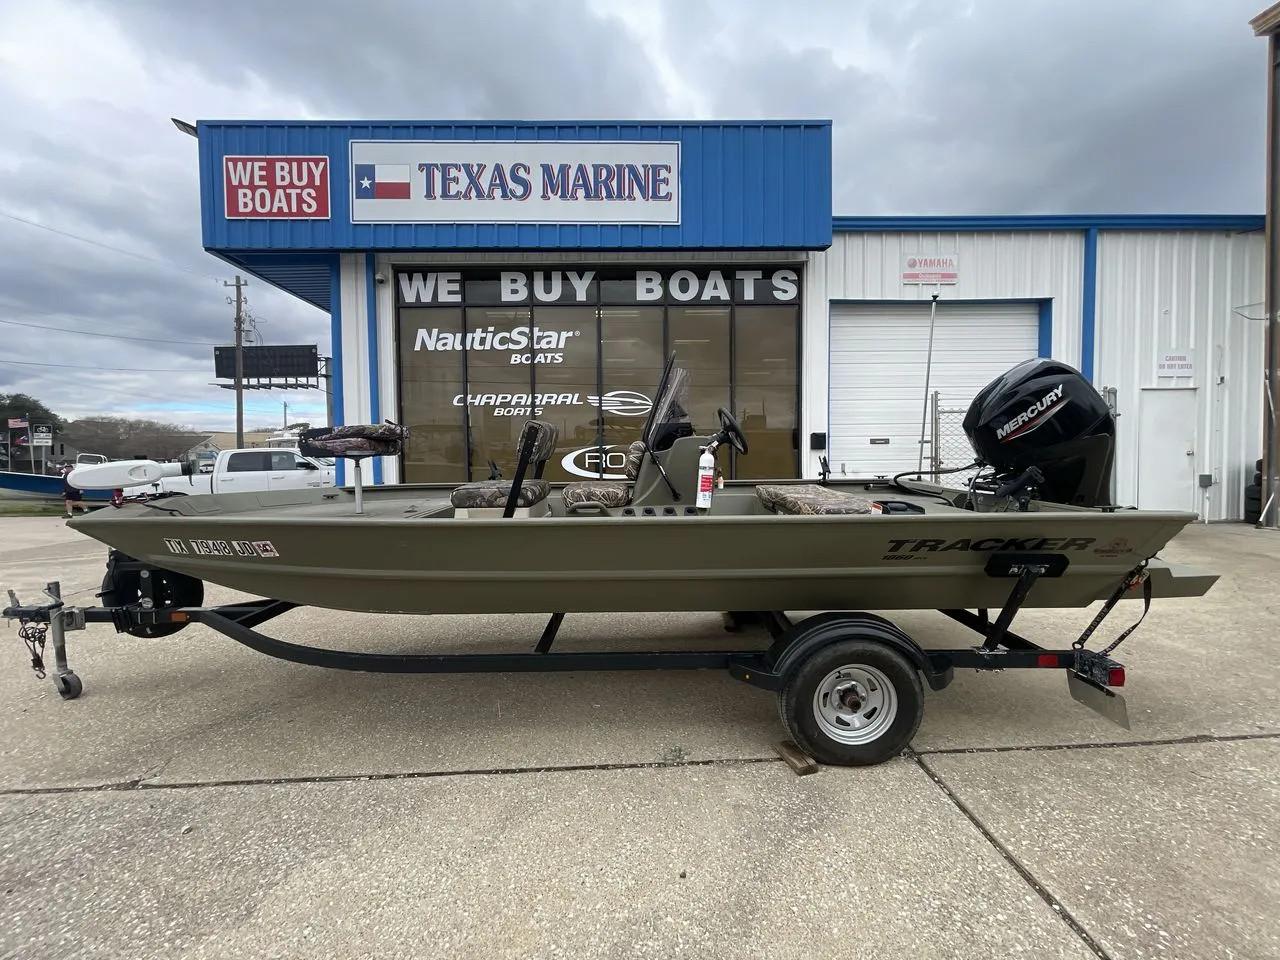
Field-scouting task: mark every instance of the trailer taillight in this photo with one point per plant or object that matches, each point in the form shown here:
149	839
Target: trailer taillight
1047	660
1115	676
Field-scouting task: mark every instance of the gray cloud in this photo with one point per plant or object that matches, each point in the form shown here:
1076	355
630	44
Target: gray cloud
987	107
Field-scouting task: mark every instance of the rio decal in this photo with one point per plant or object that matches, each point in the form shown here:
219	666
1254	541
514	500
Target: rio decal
222	548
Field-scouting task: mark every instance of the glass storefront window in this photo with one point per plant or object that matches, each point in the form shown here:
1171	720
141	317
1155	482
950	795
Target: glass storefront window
631	364
431	380
766	391
565	379
481	351
699	337
499	386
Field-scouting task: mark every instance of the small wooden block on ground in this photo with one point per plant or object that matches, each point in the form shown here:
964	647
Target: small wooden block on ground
799	761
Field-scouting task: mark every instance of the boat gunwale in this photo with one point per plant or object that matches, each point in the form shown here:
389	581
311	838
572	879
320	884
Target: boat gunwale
896	520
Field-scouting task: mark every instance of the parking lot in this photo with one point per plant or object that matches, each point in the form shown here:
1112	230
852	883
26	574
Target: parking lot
201	800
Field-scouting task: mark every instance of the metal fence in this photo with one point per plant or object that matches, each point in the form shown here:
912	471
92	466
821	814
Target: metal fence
948	445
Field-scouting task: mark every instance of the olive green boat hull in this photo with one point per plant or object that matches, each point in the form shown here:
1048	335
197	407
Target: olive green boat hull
408	554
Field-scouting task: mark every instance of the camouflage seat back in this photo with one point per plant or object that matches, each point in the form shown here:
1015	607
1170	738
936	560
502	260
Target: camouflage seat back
544	436
635	456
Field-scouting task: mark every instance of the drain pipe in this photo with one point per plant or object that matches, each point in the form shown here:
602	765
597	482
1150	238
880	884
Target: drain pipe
928	370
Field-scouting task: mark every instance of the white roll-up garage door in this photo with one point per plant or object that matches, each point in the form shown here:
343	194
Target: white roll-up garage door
878	354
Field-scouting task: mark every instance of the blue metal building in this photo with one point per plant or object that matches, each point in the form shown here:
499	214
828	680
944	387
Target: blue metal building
476	273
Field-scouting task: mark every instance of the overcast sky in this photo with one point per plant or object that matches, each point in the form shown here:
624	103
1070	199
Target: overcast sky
989	106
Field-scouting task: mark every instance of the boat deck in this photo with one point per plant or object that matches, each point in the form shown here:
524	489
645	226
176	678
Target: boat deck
411	502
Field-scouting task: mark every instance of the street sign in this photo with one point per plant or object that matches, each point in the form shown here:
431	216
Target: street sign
42	435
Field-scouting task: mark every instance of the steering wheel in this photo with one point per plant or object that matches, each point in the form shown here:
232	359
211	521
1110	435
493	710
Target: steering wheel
732	431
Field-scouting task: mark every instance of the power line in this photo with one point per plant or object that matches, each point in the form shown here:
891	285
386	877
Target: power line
112	336
81	366
106	246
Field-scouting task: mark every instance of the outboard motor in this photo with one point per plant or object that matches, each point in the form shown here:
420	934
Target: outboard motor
1044	414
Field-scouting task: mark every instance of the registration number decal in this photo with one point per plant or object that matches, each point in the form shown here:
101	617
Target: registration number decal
222	548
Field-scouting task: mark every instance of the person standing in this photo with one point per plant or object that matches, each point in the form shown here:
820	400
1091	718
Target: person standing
71	496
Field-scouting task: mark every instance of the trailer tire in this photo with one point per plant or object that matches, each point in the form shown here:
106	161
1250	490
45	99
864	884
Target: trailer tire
852	703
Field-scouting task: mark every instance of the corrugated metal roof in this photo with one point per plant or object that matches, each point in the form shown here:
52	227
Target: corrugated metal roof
1054	221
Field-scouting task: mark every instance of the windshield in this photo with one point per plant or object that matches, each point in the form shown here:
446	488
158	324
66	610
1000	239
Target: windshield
670	403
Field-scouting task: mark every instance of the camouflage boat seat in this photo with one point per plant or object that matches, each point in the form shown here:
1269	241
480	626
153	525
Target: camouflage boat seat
494	493
354	441
606	493
536	445
809	499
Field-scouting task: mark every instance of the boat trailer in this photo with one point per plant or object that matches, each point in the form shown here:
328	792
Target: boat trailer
798	649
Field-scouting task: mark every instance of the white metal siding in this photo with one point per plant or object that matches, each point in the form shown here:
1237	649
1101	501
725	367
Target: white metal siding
1162	291
878	359
994	265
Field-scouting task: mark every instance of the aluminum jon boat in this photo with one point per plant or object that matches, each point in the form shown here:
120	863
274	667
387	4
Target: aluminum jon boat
1032	528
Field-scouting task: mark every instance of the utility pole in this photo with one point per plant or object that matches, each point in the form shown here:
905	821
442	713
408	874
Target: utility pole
239	284
284	415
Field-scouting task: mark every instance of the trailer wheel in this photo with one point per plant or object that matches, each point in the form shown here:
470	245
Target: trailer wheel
68	685
169	589
853	703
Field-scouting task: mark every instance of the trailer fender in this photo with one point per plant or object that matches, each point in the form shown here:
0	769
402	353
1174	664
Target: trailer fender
804	638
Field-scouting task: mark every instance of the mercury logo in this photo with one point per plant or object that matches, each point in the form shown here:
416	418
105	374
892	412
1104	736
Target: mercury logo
625	403
1033	417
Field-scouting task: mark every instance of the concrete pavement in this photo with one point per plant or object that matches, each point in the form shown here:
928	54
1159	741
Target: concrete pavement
202	800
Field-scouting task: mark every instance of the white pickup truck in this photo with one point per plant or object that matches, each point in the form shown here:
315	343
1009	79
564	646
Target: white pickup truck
255	469
234	471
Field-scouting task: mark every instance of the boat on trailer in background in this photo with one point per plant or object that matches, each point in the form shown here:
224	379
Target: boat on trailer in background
1031	529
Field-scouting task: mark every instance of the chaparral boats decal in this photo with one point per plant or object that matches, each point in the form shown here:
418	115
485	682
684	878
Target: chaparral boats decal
223	548
1033	417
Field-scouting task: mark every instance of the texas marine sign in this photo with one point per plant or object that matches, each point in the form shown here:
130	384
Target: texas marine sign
271	186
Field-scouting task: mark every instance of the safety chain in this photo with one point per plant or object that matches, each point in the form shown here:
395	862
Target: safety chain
33	636
1138	575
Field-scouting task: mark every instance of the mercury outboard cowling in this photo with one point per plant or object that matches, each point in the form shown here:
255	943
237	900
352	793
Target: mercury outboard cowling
1045	414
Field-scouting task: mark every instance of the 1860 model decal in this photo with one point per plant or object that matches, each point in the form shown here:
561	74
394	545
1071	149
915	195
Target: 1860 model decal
222	548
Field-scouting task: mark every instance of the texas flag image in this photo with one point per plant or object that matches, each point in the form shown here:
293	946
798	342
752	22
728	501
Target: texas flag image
382	181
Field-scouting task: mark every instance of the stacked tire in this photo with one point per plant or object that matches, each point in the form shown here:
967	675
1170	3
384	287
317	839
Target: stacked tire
1253	496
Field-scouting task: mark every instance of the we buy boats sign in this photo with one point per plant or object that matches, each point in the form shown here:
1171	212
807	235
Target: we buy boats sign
276	188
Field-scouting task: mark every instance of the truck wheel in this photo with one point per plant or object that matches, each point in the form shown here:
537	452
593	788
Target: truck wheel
853	703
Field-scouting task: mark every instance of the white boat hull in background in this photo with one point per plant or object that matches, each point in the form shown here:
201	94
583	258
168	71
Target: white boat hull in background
122	474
